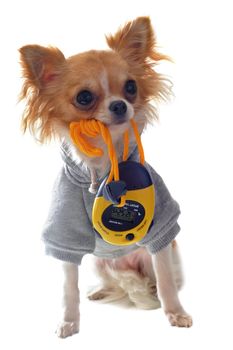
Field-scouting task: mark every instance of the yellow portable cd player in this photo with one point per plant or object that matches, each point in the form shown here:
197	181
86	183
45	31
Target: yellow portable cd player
127	224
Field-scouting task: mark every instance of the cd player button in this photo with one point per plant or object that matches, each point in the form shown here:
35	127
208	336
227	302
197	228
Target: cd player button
129	236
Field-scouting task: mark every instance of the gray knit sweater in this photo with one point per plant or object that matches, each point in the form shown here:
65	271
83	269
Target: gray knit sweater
68	233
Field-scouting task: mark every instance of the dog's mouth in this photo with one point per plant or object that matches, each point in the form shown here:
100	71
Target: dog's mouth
121	121
119	128
117	122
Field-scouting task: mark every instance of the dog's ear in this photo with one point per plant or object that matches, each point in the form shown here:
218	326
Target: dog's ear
41	65
135	42
42	68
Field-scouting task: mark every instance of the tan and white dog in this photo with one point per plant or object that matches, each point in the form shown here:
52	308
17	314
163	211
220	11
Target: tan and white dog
112	86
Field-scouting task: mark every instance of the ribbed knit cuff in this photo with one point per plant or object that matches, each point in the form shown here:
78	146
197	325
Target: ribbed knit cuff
159	243
63	254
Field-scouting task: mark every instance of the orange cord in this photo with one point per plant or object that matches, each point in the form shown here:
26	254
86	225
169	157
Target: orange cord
139	142
92	128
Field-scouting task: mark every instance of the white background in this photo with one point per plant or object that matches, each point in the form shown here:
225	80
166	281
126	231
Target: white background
191	148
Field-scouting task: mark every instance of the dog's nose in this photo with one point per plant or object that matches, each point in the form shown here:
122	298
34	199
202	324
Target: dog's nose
119	108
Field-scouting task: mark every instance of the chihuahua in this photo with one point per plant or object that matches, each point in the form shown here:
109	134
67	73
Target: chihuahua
111	86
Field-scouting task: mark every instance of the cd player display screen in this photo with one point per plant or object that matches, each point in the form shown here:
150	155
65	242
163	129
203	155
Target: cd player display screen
122	214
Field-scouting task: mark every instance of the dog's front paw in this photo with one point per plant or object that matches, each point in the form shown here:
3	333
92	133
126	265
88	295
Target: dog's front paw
180	320
66	329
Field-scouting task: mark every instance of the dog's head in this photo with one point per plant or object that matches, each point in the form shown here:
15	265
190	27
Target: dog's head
112	86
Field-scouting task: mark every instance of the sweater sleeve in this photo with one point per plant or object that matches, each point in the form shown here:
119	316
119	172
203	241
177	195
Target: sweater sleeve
164	227
68	233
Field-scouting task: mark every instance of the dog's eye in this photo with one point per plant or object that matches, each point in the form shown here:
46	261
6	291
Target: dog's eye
131	88
84	99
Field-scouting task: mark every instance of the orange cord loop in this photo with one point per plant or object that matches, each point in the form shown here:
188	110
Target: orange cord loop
92	128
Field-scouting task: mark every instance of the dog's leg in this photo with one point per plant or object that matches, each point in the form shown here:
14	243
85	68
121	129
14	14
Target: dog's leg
130	277
70	302
167	289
